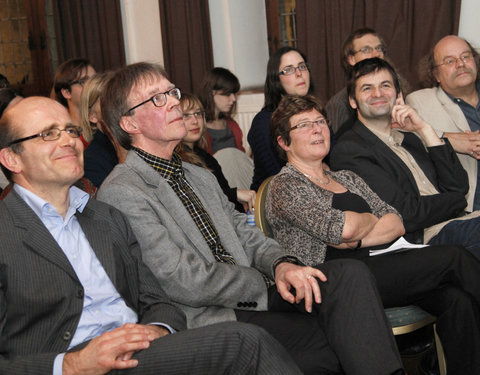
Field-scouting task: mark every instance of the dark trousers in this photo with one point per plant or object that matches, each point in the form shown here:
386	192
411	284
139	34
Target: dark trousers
224	348
462	232
445	281
347	332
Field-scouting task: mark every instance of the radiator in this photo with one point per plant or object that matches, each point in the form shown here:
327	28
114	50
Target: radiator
248	105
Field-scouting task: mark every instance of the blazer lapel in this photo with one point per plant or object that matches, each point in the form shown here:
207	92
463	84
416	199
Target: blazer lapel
172	204
453	110
37	236
99	236
384	152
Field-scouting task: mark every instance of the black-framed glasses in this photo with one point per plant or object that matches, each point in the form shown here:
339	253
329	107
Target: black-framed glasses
80	81
196	115
290	69
367	50
52	134
158	100
450	60
308	125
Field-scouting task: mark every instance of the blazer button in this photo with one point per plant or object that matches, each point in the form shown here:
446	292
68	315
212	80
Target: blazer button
240	304
254	304
67	335
80	293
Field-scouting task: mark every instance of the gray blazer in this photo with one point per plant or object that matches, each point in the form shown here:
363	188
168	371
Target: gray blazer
177	253
435	107
41	298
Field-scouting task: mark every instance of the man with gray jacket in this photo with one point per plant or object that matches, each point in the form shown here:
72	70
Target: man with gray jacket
215	266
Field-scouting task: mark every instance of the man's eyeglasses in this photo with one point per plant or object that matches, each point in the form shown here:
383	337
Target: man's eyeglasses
450	60
52	134
80	81
196	115
308	125
367	50
289	70
158	100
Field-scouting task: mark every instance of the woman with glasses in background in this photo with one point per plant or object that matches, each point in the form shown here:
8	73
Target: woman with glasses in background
192	150
287	73
68	83
218	97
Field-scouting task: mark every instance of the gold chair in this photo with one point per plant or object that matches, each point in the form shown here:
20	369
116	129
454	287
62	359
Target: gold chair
260	219
405	319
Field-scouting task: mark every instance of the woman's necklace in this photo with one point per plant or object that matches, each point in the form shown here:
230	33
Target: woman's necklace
313	177
317	179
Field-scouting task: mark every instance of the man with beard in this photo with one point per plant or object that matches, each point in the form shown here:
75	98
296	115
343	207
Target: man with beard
451	105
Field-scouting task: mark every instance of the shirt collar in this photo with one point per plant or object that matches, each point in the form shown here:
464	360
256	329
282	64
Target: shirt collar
78	200
168	169
395	138
457	100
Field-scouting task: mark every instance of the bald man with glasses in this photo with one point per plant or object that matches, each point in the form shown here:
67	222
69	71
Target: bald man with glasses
75	296
452	104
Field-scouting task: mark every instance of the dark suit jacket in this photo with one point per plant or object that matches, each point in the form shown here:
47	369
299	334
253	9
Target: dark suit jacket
41	298
364	153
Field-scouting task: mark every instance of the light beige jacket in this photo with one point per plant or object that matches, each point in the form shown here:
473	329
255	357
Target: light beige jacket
436	108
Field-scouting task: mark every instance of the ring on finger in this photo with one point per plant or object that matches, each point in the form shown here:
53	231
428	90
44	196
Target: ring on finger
309	277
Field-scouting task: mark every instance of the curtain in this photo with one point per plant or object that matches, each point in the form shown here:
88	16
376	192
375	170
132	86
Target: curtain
410	28
187	42
90	29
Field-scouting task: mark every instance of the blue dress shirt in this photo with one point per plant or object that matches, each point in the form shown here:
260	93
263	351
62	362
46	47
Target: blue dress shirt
472	114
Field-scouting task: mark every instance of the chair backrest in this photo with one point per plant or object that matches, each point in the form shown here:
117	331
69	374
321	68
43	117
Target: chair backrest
260	218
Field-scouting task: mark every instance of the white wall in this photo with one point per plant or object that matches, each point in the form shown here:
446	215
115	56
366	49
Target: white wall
141	31
469	16
239	38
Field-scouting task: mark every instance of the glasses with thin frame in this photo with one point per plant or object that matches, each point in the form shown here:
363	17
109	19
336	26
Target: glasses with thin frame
449	61
367	50
309	125
158	100
197	115
52	134
290	69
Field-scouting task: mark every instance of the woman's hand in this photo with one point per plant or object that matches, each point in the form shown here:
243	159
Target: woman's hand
248	197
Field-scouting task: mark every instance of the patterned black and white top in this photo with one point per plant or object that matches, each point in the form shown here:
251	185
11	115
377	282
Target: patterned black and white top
301	213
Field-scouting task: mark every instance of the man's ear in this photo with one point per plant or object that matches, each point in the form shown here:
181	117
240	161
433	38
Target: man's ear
282	143
10	160
351	60
67	94
435	74
353	102
129	125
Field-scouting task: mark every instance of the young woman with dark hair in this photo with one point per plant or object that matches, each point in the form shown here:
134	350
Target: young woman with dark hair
192	150
287	73
218	96
67	88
